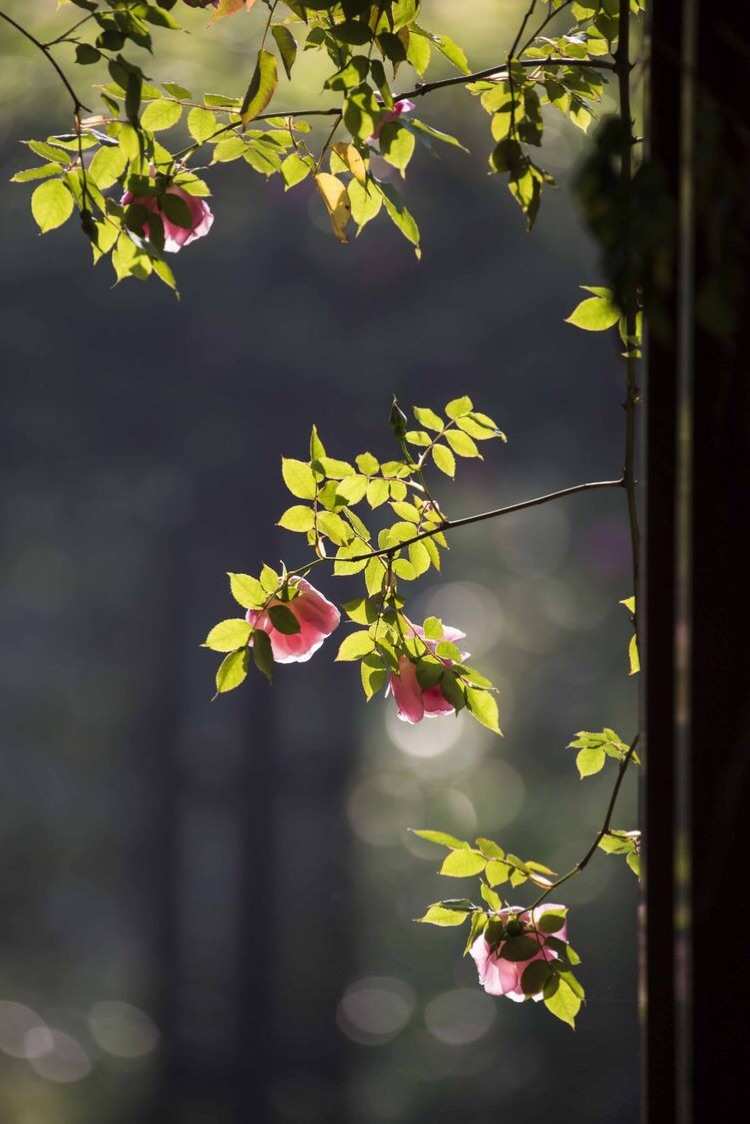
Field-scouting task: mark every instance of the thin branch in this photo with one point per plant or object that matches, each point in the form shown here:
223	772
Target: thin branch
495	513
522	28
329	138
65	36
583	863
499	72
77	103
547	19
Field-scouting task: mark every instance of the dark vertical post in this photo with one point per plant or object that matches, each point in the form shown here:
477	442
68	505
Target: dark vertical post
698	613
658	622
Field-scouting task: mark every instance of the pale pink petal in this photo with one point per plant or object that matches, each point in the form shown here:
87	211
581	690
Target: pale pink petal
317	619
407	692
497	976
312	606
452	634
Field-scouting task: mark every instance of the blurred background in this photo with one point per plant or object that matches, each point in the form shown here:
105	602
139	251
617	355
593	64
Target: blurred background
206	907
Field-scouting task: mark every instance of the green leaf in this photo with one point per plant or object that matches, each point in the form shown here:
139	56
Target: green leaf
86	54
333	468
262	87
51	205
352	488
490	849
590	761
355	646
402	568
231	672
441	838
494	901
633	656
561	1001
284	620
535	976
497	872
299	478
263	653
40	172
296	168
444	460
551	922
176	210
361	112
433	628
629	603
269	579
400	216
397	144
361	610
436	134
228	635
287	46
231	148
519	948
335	528
201	124
247	591
634	862
367	463
374	576
459	407
107	166
428	418
180	92
365	202
483	707
454	54
406	511
297	518
429	672
595	314
438	915
461	443
419	557
162	114
478	430
463	864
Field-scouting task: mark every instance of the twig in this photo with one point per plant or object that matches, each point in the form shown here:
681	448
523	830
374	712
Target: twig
500	72
454	524
582	863
77	103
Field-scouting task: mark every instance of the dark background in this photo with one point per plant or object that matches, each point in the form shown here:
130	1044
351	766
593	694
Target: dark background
206	906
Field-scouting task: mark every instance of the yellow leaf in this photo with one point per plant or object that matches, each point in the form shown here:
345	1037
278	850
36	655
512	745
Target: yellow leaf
334	195
352	160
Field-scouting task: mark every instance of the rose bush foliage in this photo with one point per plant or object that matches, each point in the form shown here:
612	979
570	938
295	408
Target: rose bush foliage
149	140
139	168
344	515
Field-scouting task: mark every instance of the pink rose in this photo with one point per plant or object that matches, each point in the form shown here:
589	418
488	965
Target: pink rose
499	976
413	702
317	619
403	105
175	237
